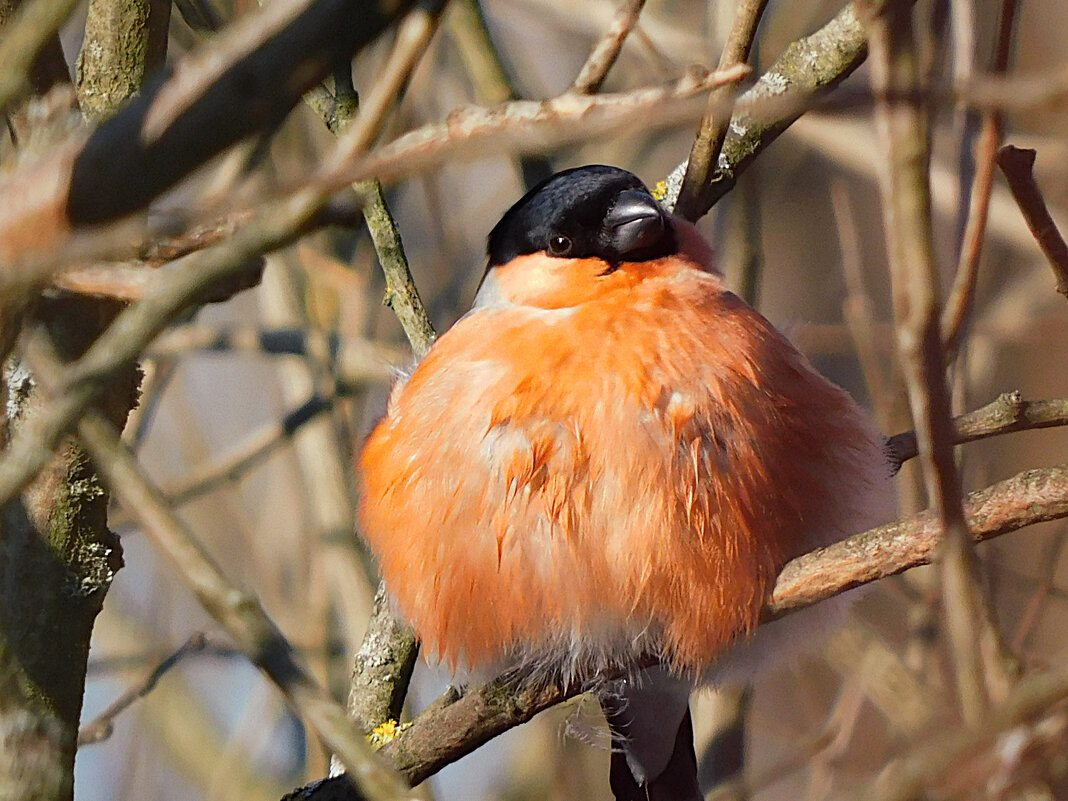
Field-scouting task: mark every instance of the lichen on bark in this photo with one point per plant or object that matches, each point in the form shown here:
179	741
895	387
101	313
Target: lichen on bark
57	561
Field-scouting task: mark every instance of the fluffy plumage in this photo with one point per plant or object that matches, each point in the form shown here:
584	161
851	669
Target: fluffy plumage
611	455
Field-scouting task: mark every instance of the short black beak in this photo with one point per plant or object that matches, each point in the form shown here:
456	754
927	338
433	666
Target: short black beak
635	223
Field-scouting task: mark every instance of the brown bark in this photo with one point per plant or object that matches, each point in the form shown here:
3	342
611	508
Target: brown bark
57	560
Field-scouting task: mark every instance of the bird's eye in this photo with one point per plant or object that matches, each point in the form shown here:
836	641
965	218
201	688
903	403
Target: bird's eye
559	245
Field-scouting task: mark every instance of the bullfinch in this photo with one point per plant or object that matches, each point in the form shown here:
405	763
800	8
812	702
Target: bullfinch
607	461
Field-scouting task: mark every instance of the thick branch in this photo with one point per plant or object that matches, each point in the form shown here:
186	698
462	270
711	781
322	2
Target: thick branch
1030	497
125	40
383	666
247	83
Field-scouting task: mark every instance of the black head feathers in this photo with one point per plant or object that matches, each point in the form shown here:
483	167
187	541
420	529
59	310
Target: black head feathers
594	211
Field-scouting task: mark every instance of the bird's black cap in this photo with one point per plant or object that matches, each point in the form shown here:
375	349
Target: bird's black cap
597	211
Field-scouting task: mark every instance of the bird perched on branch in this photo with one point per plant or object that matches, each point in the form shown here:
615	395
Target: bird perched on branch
606	461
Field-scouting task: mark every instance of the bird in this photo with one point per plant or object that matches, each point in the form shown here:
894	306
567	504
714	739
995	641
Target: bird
600	469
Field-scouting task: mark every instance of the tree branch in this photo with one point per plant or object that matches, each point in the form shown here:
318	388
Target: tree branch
33	26
961	296
804	72
903	130
236	610
102	726
526	125
1018	164
704	154
1005	414
121	344
606	51
455	727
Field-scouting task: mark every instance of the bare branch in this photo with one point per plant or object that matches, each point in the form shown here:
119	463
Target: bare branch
903	129
1030	497
354	361
275	225
124	42
250	452
961	296
383	666
606	51
236	610
401	293
217	97
413	38
704	154
101	727
1005	414
35	23
1018	164
806	70
527	125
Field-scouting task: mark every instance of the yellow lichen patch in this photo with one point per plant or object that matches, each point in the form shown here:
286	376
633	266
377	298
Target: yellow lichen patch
660	191
386	732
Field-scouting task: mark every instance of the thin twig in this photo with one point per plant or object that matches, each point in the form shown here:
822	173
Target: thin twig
276	225
101	727
250	452
1048	566
353	360
804	72
481	61
857	307
1007	413
704	154
402	296
236	610
1018	165
522	126
413	37
606	51
907	214
489	78
961	296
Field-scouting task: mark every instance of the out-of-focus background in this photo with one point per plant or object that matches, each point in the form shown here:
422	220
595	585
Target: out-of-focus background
801	235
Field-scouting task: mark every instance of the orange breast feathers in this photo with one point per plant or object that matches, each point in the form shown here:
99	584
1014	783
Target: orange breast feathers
586	483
